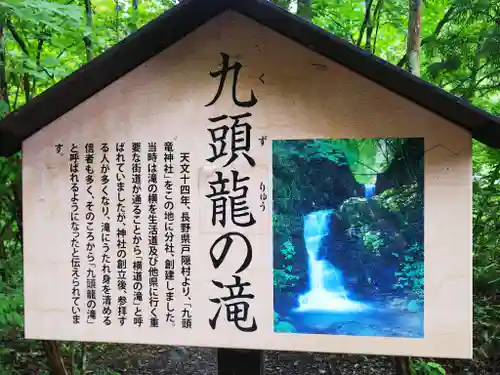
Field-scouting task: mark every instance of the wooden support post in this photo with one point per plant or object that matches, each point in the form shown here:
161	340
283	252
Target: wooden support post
402	365
240	362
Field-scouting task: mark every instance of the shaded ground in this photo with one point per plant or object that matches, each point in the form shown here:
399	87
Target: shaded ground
202	361
114	359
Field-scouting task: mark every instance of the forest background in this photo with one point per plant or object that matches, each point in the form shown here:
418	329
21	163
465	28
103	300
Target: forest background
454	44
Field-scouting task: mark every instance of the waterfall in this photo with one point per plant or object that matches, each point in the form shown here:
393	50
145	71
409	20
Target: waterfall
326	286
369	190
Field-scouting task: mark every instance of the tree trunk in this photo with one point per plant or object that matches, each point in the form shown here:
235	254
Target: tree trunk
135	7
87	39
4	94
447	17
54	358
414	31
372	24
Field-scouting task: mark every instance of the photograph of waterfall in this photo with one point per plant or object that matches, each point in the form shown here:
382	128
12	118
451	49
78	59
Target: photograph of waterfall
348	236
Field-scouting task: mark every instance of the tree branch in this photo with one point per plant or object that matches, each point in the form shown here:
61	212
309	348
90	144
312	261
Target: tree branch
476	66
23	45
17	38
371	24
378	12
487	76
38	58
366	20
26	86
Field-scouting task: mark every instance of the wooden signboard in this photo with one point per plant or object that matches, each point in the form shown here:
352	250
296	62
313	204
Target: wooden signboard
238	190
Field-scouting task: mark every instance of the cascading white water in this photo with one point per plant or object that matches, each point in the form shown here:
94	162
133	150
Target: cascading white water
326	288
369	190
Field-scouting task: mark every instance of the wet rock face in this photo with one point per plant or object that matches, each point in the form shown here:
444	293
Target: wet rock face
372	237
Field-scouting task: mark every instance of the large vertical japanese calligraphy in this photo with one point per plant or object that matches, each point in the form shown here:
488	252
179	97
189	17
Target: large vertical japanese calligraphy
230	139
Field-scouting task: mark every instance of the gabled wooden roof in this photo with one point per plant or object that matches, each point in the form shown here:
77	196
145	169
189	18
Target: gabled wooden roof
182	19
